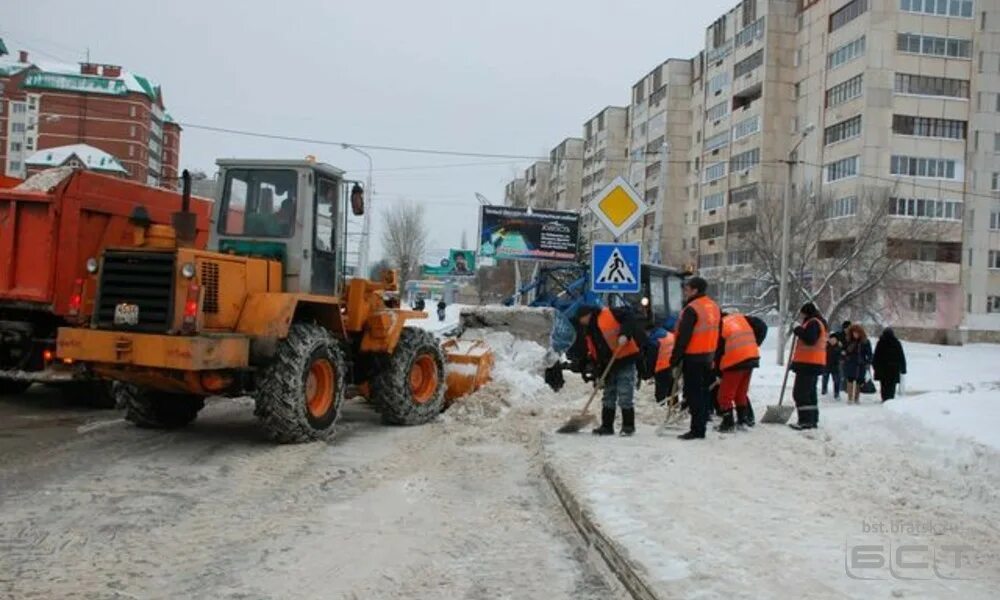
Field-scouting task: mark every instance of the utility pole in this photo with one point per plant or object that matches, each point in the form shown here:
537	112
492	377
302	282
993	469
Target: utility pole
786	226
367	222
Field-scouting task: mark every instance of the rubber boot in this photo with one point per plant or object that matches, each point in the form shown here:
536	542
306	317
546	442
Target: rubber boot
628	422
728	425
607	422
743	418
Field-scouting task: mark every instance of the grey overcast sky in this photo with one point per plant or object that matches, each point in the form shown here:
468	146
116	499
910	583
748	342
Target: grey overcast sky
508	77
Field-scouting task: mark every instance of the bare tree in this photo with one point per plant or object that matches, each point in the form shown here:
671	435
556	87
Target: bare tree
404	239
847	254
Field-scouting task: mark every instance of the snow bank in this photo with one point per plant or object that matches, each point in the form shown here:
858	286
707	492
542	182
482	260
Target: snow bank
973	415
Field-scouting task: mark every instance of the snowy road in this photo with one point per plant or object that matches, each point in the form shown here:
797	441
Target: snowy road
91	507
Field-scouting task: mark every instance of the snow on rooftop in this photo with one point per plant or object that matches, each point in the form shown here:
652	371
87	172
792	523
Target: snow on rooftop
88	156
55	75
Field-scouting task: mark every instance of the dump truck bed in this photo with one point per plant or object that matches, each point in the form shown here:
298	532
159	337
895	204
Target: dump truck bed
46	236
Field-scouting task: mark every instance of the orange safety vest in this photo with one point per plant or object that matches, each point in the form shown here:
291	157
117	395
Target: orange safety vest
741	345
665	351
811	354
705	337
610	330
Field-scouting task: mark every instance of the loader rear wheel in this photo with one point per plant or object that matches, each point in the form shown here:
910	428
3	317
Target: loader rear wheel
153	409
300	394
408	385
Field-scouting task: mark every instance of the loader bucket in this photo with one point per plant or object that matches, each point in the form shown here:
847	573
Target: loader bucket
523	322
468	367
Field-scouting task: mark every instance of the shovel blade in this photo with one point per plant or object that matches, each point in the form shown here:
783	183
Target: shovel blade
777	413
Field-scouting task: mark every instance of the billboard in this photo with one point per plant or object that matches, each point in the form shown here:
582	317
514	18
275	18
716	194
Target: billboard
459	263
506	232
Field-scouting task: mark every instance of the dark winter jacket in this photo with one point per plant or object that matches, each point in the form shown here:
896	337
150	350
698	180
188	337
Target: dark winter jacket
685	329
835	348
630	328
889	361
808	334
857	359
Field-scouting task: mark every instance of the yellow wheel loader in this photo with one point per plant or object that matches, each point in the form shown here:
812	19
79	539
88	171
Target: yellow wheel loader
267	311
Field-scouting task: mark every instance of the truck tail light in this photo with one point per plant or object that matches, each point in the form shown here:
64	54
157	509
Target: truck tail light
76	298
190	322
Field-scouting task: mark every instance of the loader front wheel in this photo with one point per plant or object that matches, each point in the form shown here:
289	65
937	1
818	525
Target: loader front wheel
153	409
408	385
300	394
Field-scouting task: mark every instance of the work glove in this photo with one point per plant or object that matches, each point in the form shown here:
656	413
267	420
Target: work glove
554	377
622	340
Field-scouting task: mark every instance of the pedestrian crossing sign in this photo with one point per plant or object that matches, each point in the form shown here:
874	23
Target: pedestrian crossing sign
615	268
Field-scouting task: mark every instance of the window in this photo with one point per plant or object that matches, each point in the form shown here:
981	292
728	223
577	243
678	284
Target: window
839	208
924	208
714	172
29	143
848	13
996	182
749	11
993	304
15	165
18	108
994	258
928	127
750	33
934	168
15	146
746	127
944	8
711	232
842	169
923	85
743	194
748	64
717	141
259	203
326	209
846	53
842	92
32	102
995	221
713	202
914	43
996	142
131	150
843	130
923	302
718	83
131	131
17	127
710	260
739	257
744	160
131	111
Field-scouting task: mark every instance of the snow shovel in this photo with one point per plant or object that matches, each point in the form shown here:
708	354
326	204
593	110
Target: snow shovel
674	413
578	422
781	413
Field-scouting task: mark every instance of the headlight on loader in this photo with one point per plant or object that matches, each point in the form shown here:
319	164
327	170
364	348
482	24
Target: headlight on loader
187	270
92	265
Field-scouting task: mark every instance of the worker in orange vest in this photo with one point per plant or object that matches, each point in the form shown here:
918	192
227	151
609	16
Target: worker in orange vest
808	363
659	351
614	334
697	339
736	358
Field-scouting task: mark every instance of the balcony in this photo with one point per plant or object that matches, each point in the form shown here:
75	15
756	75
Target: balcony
930	272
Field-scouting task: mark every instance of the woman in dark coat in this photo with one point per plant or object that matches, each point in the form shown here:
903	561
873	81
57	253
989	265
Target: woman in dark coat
889	363
857	359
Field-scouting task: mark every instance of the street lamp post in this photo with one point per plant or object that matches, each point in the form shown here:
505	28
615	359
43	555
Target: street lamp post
367	222
786	226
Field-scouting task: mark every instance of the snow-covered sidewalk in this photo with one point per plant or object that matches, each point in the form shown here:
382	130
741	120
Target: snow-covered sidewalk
851	510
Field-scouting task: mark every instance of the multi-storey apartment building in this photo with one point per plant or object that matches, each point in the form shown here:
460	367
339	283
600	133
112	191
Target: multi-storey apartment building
514	193
536	185
566	174
605	157
47	106
659	143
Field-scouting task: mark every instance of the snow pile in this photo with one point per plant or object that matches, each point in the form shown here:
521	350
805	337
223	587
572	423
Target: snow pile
435	325
974	415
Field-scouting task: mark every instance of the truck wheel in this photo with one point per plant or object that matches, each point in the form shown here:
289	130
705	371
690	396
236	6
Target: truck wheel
300	394
409	384
13	386
157	410
93	394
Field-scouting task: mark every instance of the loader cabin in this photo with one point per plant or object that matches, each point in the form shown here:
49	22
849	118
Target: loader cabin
292	211
660	295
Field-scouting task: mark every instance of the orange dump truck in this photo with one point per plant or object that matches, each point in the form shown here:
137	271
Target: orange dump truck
52	229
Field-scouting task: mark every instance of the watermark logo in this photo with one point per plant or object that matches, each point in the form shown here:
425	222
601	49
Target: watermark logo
908	550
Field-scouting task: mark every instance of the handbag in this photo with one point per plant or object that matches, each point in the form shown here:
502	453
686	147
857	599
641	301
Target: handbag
868	387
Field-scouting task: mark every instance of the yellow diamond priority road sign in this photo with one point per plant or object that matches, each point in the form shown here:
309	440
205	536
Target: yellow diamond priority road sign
618	206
